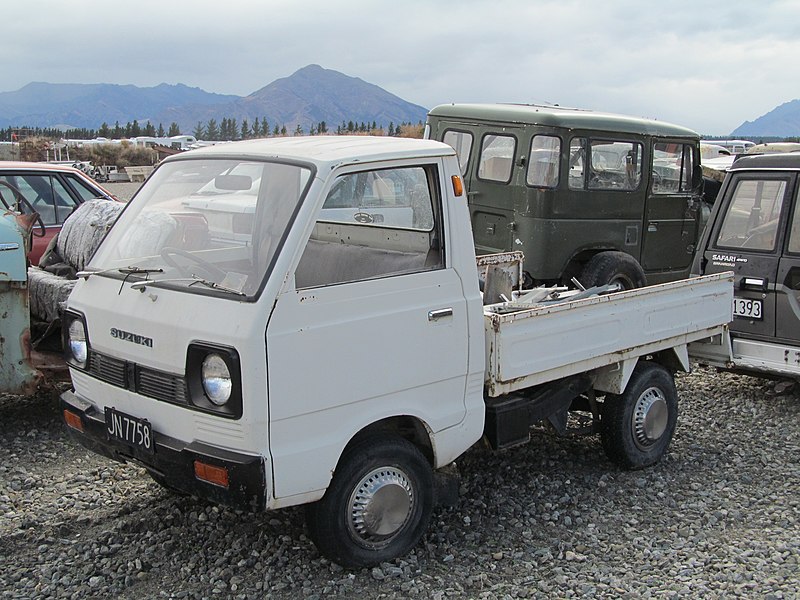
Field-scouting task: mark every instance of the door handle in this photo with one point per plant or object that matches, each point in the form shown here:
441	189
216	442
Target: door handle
435	315
757	284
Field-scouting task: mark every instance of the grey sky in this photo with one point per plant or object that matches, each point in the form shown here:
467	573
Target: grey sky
706	65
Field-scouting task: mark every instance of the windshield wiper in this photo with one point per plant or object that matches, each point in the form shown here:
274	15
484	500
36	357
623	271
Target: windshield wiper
124	270
216	286
140	285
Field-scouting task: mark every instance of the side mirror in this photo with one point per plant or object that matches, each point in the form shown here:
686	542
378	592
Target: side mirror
697	178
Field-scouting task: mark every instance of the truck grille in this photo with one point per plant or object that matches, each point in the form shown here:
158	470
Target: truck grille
110	370
136	378
160	385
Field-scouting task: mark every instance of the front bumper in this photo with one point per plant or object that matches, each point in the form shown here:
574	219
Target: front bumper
173	461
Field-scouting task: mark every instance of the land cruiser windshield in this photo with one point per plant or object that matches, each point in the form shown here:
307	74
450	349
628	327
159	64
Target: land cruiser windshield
205	225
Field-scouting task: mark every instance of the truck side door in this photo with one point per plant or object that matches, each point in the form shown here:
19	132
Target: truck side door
375	326
787	303
747	237
672	213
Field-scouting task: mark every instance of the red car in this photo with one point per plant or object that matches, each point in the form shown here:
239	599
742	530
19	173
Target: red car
53	191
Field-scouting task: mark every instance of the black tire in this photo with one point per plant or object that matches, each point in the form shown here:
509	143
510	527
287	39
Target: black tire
379	481
636	427
613	267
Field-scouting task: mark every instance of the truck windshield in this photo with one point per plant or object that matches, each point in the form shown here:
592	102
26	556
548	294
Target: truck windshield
222	221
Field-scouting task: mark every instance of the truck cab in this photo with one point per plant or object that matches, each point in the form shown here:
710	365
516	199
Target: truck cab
754	230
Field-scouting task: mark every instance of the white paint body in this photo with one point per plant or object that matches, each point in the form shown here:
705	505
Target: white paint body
314	372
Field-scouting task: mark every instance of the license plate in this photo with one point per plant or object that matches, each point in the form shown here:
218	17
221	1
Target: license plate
130	430
749	309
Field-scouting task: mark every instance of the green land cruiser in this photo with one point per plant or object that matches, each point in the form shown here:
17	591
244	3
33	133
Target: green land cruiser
599	197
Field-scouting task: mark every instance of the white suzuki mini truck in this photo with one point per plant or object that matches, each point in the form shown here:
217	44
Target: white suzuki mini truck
300	321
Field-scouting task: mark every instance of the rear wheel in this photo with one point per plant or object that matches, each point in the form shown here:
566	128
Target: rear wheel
378	504
637	426
613	268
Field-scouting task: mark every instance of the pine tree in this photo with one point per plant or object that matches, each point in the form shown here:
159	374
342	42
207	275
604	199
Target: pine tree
105	131
245	129
298	130
283	130
173	129
199	131
136	130
212	130
322	127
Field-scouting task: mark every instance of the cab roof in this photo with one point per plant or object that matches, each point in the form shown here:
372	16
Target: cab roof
782	161
324	151
557	116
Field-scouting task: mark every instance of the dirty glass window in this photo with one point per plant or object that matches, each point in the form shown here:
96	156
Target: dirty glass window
615	165
672	168
543	164
45	193
577	158
461	142
794	232
752	216
84	191
374	224
497	157
209	225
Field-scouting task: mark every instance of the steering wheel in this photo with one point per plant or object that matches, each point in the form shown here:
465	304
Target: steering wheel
21	201
212	271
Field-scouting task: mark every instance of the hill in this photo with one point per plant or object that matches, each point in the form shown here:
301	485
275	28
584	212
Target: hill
307	97
76	105
783	121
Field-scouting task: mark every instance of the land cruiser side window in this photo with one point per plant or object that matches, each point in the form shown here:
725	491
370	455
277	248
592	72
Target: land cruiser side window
615	165
751	218
377	223
543	164
461	142
672	168
577	157
497	158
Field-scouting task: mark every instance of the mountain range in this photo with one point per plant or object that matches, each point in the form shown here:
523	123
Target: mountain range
307	97
782	121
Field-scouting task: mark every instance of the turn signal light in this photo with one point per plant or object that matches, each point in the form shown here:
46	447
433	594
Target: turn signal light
73	420
211	474
458	185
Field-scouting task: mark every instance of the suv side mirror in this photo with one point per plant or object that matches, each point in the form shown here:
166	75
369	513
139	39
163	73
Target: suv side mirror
697	178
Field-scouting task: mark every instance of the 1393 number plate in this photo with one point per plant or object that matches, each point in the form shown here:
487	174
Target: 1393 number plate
131	430
747	308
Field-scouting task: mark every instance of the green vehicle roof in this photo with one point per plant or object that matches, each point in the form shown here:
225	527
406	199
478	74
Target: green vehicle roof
556	116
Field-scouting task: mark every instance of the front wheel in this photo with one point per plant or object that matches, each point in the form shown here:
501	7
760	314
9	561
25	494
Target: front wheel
636	427
378	505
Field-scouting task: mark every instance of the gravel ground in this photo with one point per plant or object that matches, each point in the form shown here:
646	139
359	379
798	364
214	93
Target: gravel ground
720	517
124	190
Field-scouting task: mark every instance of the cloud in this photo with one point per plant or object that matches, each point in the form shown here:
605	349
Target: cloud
705	66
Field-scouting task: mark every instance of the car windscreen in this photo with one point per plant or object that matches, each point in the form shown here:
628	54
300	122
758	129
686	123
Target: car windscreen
205	224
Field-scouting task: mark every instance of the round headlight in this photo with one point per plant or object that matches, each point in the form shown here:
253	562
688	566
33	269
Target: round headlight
216	378
78	348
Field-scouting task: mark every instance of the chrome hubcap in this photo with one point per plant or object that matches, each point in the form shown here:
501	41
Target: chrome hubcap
380	505
650	417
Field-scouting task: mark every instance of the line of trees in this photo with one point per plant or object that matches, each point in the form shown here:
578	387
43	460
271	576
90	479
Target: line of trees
227	129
